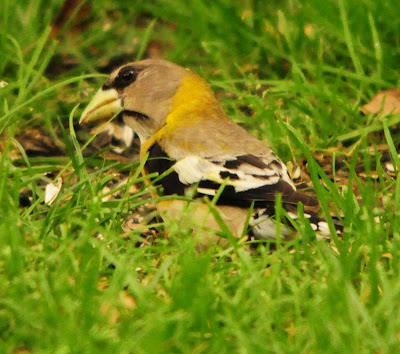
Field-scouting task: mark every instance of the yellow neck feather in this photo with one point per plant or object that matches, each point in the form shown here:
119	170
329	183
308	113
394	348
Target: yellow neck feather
193	101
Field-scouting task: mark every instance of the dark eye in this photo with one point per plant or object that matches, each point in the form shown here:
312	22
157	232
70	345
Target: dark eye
125	77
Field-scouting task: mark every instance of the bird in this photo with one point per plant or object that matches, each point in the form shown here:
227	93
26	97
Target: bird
185	134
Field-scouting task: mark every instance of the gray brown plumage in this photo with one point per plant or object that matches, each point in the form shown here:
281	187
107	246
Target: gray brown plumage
181	125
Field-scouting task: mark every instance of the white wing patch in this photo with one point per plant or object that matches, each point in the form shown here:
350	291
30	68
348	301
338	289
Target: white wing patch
192	169
242	176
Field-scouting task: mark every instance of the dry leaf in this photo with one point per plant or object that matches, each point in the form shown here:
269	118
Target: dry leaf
106	309
37	142
127	301
52	191
387	255
385	102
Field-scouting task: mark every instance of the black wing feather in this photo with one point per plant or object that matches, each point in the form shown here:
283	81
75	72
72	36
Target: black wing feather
159	161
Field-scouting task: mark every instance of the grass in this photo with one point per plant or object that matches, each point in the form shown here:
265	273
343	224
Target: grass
295	74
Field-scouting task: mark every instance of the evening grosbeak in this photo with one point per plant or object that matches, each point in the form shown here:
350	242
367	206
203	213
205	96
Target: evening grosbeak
181	125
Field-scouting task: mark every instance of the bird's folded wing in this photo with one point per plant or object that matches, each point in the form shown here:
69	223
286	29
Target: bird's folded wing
246	178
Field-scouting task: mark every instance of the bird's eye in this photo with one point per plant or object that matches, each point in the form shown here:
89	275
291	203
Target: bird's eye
125	77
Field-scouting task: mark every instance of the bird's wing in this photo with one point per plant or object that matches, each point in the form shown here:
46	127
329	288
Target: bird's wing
246	178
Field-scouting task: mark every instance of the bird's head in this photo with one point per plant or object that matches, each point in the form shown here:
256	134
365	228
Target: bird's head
142	92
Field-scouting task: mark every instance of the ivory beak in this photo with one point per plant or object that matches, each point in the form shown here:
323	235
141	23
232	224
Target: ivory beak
104	105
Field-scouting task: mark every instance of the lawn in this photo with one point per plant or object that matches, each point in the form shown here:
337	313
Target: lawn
94	270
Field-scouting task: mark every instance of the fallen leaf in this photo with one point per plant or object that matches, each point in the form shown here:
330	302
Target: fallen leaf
52	191
387	255
385	102
106	309
127	301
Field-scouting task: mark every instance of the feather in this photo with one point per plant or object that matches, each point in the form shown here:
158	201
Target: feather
183	127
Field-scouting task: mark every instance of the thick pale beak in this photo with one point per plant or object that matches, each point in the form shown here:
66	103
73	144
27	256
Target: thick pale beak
104	105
